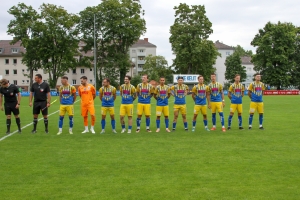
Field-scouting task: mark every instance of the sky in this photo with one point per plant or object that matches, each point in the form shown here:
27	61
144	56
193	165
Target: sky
234	22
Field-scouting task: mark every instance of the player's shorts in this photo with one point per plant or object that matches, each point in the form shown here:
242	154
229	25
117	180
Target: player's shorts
234	107
110	110
259	106
63	109
126	109
200	108
180	108
216	106
11	108
162	110
144	108
38	106
86	109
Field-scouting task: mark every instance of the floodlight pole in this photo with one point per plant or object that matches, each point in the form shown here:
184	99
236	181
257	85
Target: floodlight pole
95	59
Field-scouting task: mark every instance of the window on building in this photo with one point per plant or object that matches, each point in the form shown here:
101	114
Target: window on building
15	61
27	81
133	51
14	50
1	50
74	71
74	81
133	59
141	58
23	81
91	70
82	71
141	50
15	82
249	68
140	66
15	71
6	72
227	53
6	61
23	70
91	80
45	81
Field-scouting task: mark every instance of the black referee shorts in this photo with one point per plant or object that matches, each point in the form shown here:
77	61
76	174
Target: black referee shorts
11	108
38	106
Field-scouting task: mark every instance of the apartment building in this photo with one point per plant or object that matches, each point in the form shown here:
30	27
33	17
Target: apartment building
246	61
138	52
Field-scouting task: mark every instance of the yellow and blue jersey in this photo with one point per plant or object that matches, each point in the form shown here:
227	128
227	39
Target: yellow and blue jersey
200	94
67	93
236	91
257	91
128	93
180	91
108	94
215	90
145	92
162	93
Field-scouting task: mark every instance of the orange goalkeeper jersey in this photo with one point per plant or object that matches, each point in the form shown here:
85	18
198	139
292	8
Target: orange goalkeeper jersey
87	94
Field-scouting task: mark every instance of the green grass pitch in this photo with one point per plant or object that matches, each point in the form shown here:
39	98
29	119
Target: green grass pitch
178	165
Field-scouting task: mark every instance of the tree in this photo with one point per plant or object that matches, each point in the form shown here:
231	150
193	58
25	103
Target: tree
234	66
119	24
242	52
275	53
295	74
136	80
156	66
195	54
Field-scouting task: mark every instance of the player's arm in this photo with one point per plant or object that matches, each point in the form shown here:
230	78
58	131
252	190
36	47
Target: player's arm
94	93
74	95
151	92
172	90
250	91
155	94
194	93
19	99
187	89
169	93
243	91
115	93
48	96
133	92
100	94
208	97
222	95
229	92
31	95
1	96
121	91
137	90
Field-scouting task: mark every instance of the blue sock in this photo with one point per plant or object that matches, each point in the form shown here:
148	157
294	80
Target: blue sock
129	127
229	120
158	123
250	120
167	123
240	121
61	121
103	124
194	123
71	121
148	122
261	118
185	125
214	119
113	124
205	122
138	123
174	125
123	126
222	119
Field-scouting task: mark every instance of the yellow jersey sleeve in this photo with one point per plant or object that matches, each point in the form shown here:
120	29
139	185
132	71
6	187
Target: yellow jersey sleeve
243	88
172	88
208	89
155	90
133	90
152	89
60	88
101	90
263	87
187	88
114	91
73	89
194	90
168	90
121	88
138	88
230	89
220	87
250	87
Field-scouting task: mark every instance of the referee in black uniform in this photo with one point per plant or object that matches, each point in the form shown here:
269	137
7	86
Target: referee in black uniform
11	103
41	92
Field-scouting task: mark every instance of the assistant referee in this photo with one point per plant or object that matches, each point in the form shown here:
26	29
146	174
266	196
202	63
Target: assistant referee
41	92
11	103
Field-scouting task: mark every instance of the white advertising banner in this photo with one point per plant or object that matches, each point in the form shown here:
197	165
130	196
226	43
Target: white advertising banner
188	78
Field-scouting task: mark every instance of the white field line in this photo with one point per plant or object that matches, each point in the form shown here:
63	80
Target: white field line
11	134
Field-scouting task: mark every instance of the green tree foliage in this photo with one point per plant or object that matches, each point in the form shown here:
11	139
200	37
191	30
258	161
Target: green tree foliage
295	74
50	38
156	67
136	80
119	24
275	53
195	54
242	52
234	66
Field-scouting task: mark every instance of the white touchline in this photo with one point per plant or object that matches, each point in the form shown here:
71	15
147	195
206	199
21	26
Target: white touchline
3	138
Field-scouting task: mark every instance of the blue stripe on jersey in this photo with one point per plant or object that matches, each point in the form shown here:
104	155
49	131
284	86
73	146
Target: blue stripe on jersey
179	93
215	95
236	94
127	96
145	94
67	97
162	95
108	96
257	92
200	98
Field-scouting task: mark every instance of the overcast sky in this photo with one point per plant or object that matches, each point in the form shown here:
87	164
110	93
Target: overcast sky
234	21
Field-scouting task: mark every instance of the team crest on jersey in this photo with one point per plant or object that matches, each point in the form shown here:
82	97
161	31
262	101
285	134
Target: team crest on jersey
89	87
42	90
11	94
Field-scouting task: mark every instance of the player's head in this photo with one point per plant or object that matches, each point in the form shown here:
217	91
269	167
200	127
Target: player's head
145	78
200	79
213	77
127	79
64	80
83	80
38	78
162	80
4	83
180	80
106	82
237	78
257	77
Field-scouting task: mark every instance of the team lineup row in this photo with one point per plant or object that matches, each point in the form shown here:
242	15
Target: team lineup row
205	96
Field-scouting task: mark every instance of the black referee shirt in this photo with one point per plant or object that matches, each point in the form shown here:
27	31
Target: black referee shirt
9	93
40	91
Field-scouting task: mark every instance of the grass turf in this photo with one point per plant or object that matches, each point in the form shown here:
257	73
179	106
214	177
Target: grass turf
178	165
